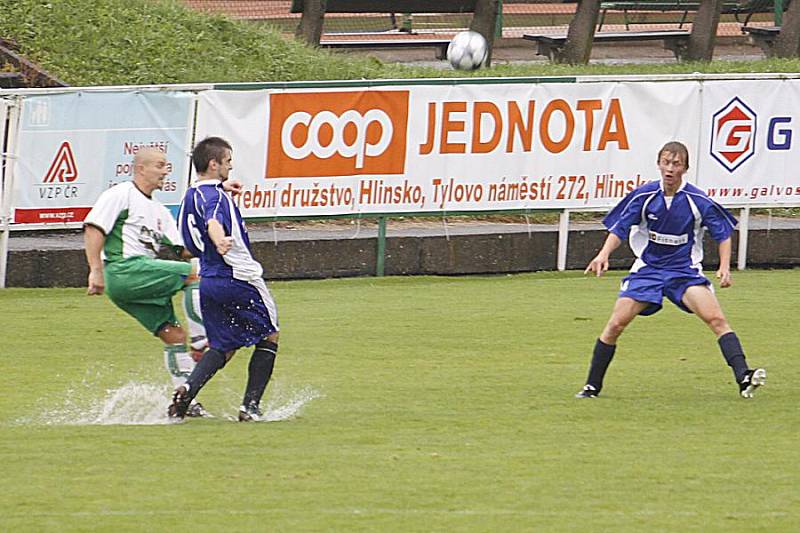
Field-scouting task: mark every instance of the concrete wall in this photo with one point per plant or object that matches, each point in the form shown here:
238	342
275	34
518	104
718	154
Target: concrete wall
460	254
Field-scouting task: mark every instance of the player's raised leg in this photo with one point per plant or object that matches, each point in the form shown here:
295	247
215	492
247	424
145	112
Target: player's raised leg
183	397
625	310
194	318
702	302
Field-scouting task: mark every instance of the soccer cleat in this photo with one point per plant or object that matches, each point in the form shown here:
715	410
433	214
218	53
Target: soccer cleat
180	402
196	410
752	380
588	391
251	413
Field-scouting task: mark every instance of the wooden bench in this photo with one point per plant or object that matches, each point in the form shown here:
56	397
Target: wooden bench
553	45
367	40
742	10
762	36
393	43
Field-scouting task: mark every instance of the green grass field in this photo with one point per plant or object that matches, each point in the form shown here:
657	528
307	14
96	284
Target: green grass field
136	42
408	404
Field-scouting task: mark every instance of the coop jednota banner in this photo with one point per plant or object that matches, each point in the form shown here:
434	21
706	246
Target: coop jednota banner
419	148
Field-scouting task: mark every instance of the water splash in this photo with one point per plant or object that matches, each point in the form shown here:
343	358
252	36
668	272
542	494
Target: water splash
131	404
146	403
281	408
283	404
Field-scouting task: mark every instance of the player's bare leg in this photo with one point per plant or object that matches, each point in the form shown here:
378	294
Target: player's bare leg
625	310
702	302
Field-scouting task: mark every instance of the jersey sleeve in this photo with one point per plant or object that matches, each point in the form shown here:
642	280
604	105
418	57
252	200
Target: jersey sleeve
215	207
627	213
719	221
107	209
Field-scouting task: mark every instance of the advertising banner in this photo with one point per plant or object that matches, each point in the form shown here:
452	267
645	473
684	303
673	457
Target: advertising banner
3	117
435	148
748	147
73	146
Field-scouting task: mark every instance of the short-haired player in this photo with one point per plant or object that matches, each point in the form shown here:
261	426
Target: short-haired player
237	306
665	221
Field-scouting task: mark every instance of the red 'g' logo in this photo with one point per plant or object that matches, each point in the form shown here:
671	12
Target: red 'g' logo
733	132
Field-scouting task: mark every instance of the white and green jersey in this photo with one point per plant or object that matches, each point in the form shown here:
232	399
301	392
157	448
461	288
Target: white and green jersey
134	224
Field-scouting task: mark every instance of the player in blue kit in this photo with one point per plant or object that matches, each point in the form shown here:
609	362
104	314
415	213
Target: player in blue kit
237	307
665	221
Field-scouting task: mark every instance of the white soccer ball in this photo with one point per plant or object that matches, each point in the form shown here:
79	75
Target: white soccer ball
467	51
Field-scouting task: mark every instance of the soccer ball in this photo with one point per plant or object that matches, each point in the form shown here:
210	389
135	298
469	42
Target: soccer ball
467	51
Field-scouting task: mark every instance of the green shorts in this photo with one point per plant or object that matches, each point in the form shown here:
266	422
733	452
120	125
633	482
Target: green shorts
144	287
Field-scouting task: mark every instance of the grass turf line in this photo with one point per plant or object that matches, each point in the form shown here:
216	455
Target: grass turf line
443	403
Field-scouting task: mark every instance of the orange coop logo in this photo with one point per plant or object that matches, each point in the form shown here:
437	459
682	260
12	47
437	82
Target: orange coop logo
337	133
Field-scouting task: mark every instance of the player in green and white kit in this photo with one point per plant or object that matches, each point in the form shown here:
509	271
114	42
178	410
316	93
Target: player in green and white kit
123	233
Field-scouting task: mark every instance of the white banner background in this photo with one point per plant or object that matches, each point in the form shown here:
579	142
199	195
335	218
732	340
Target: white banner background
566	166
586	145
754	159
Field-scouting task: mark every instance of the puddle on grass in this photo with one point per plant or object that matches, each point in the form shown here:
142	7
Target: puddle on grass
285	405
131	404
146	404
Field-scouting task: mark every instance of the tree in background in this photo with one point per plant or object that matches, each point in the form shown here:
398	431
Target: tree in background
311	22
484	21
580	34
704	31
787	44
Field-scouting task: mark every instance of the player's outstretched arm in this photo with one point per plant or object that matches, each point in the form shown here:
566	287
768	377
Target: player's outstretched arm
233	187
93	240
217	234
724	271
599	264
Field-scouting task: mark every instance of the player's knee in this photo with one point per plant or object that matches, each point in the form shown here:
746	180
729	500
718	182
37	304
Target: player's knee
267	346
615	327
718	324
172	334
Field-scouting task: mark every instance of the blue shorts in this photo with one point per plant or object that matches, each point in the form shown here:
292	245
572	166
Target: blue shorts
236	313
650	285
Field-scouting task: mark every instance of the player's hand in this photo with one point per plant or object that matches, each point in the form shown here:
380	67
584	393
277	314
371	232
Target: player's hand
225	245
724	277
96	283
598	265
234	187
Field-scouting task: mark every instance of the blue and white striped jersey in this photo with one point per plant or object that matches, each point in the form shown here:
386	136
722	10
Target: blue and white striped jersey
204	201
668	236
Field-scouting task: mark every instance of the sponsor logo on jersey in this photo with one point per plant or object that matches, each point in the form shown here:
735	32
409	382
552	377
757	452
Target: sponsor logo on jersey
733	132
337	133
669	240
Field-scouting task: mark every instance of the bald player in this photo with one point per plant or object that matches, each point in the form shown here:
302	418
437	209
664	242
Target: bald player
122	235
